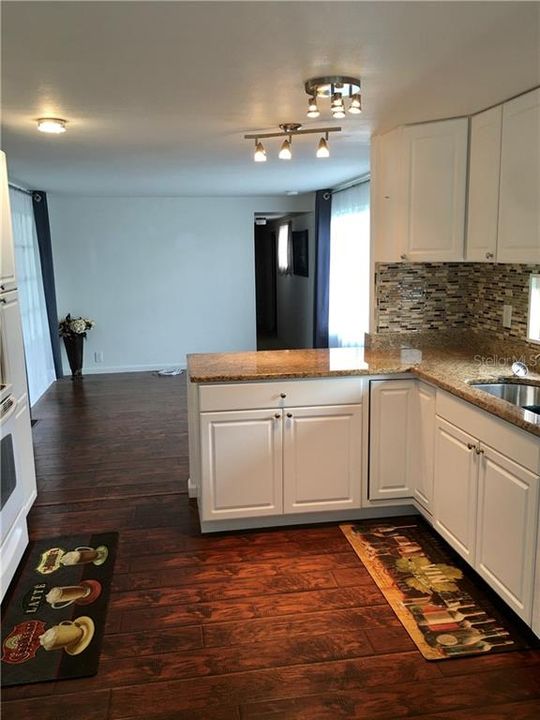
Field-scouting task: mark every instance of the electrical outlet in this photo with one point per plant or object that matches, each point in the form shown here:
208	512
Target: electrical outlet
98	356
507	316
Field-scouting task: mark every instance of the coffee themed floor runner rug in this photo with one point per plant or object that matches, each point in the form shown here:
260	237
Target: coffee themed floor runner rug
439	602
53	617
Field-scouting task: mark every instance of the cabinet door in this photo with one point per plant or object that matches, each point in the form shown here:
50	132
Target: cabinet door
519	209
435	170
484	172
392	438
455	487
241	464
424	445
507	527
322	458
387	197
7	260
12	344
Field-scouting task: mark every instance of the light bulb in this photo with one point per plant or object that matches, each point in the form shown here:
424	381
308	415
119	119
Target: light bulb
322	150
285	151
337	101
338	113
54	126
313	110
355	108
260	153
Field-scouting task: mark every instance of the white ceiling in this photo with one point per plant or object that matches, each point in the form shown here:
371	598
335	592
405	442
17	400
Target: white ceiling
159	94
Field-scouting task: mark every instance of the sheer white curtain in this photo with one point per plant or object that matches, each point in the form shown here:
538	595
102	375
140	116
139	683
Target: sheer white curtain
37	341
348	315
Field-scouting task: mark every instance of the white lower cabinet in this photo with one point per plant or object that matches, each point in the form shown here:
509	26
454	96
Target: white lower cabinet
486	500
456	471
506	528
402	436
392	439
322	458
241	464
281	460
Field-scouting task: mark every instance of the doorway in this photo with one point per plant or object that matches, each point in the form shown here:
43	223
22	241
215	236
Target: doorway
284	280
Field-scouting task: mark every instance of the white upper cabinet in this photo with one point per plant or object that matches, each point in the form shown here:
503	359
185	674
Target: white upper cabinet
519	203
435	179
387	197
419	187
7	260
484	171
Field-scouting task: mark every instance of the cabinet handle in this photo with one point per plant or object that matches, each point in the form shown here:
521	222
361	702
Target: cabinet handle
403	256
283	395
479	450
489	255
277	416
289	415
471	446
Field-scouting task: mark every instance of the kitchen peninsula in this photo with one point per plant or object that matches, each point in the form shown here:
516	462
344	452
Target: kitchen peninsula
299	436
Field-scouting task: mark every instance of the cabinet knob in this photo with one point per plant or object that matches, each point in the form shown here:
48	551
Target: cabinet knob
403	256
489	255
289	415
471	446
479	450
283	395
277	416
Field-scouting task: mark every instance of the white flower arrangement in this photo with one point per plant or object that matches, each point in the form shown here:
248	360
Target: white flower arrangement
68	327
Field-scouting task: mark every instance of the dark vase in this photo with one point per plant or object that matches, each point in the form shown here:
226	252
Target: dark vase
74	349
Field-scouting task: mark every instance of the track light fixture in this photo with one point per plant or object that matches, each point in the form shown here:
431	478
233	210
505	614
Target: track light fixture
260	153
285	150
337	88
323	150
287	132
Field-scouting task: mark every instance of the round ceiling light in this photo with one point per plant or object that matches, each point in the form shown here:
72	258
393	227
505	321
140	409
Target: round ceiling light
53	126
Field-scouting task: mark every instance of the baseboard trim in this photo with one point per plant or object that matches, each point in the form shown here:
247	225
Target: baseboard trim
306	518
126	368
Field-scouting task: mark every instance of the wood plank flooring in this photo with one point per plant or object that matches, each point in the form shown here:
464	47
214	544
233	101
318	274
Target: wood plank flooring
262	625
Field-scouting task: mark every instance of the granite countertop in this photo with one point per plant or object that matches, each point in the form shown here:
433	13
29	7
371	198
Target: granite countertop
449	367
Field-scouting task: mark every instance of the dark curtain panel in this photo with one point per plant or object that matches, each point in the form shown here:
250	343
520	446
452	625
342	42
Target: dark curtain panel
41	216
323	206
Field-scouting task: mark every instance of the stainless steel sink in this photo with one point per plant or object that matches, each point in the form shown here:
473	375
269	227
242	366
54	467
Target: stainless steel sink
521	394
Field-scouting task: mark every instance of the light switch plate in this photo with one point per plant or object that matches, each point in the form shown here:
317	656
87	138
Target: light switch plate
507	316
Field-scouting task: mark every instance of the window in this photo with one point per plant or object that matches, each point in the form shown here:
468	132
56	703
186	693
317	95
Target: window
533	329
349	267
284	254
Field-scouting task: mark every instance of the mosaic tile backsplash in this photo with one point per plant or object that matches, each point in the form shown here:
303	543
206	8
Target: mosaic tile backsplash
415	297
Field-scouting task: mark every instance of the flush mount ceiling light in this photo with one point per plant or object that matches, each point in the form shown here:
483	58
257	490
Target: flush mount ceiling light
53	126
288	130
337	88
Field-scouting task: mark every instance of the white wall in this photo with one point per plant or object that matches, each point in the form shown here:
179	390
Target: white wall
161	277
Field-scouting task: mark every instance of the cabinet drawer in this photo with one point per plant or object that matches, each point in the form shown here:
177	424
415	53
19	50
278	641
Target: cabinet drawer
287	393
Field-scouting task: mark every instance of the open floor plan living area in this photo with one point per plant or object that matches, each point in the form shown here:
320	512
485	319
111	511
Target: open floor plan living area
270	360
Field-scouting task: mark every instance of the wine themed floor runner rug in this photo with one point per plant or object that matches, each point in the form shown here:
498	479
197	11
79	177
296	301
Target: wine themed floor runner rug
53	616
442	608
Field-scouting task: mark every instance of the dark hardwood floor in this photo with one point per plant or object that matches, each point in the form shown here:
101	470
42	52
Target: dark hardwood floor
253	626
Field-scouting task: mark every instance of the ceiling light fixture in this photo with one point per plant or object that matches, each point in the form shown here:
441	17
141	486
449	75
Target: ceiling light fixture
355	108
323	150
288	130
313	110
335	87
260	153
285	150
53	126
